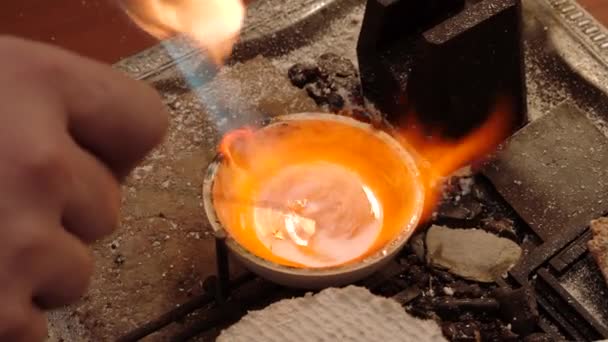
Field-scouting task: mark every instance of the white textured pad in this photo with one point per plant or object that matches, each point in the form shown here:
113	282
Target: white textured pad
349	314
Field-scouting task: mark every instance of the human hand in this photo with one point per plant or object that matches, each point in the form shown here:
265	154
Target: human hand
70	130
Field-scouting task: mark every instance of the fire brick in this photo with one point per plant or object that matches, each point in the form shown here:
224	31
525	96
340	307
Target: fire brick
554	173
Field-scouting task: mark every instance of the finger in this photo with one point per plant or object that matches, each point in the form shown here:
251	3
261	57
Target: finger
37	328
44	261
62	276
22	321
118	119
93	201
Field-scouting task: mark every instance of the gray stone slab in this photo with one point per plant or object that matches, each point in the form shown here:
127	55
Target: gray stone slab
554	173
471	253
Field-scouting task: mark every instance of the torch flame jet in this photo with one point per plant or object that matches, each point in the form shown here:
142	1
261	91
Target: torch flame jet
213	24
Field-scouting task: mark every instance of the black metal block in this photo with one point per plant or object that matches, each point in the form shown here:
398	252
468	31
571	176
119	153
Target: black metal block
447	62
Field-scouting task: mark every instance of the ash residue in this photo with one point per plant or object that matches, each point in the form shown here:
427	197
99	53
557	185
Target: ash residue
551	81
584	282
467	310
340	37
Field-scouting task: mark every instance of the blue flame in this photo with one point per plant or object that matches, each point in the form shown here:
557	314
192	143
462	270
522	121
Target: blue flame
199	72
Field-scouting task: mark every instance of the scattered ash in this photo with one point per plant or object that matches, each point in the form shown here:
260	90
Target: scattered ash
466	310
585	283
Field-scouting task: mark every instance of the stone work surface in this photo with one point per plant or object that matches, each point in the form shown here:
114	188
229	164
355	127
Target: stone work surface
164	248
554	172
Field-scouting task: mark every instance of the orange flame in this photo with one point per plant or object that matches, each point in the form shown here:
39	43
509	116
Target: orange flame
213	24
438	157
233	140
442	157
256	158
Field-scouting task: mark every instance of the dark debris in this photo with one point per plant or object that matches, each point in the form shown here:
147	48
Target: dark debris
519	308
302	74
462	331
332	82
466	310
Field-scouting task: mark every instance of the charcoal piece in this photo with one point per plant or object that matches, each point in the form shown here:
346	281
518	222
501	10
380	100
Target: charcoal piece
519	308
448	210
410	259
462	289
553	172
446	309
419	276
337	66
388	289
302	74
462	331
422	307
497	331
319	92
376	120
449	306
442	276
539	337
393	269
416	246
356	96
464	210
598	246
466	184
361	115
471	253
400	282
481	192
335	102
502	227
406	296
466	317
333	82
